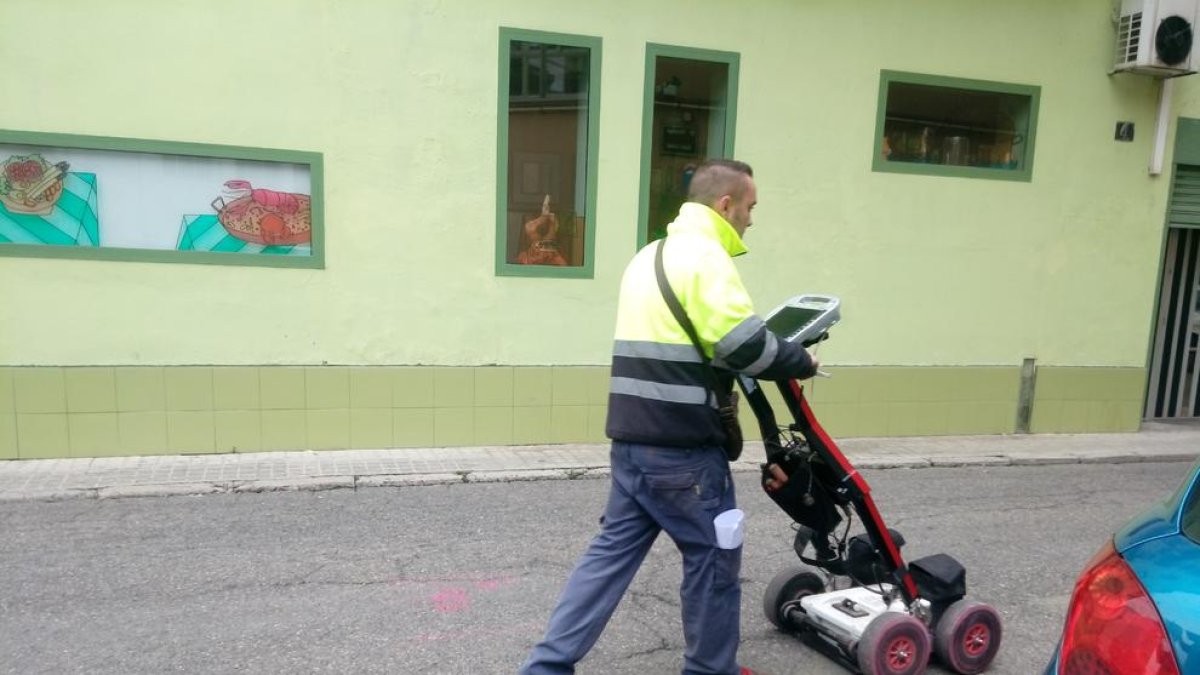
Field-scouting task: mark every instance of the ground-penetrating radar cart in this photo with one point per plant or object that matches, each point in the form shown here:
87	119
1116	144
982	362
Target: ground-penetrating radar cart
856	600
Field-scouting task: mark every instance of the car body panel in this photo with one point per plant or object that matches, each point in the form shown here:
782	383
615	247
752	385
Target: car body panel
1169	569
1156	546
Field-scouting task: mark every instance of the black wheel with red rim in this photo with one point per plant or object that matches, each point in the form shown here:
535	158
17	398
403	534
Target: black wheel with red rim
894	644
967	636
787	587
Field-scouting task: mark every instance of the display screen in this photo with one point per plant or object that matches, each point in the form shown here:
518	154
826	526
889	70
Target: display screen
788	320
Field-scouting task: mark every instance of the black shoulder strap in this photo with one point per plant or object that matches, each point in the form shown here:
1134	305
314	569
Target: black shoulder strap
682	317
673	301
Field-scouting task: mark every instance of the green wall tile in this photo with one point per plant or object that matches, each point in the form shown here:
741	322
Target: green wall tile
140	389
980	417
237	430
533	386
597	380
568	423
871	419
236	388
7	403
8	436
597	419
372	388
995	384
531	424
42	435
930	384
843	386
453	426
1127	416
412	388
281	388
39	390
916	419
371	428
494	386
1074	416
1046	416
142	433
837	419
1051	384
93	434
1129	384
189	388
329	429
453	388
328	388
569	386
91	390
885	384
191	431
284	430
412	427
493	426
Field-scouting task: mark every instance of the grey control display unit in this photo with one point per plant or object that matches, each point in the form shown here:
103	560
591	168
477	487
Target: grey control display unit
804	319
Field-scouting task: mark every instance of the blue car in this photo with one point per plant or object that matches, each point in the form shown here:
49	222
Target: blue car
1136	606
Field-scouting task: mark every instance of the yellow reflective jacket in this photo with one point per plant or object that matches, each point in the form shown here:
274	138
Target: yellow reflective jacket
659	392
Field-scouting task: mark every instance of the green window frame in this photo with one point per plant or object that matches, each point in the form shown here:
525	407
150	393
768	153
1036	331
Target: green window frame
590	164
653	52
1024	131
313	160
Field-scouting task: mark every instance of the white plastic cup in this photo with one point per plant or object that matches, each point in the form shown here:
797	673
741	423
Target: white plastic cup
730	528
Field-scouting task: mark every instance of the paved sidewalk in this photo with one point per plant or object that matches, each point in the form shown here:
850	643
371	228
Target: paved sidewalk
56	479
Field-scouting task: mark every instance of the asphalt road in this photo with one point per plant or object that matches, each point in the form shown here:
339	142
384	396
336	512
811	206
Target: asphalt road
461	578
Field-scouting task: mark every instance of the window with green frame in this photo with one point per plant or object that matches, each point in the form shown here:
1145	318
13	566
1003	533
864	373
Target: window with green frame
945	126
689	113
102	198
549	104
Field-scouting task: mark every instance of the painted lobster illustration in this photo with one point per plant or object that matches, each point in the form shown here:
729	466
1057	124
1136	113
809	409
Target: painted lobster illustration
264	216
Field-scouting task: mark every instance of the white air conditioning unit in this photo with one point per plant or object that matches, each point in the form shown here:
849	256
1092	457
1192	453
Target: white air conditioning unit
1155	37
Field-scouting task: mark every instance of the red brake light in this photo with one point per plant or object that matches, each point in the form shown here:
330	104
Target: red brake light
1112	626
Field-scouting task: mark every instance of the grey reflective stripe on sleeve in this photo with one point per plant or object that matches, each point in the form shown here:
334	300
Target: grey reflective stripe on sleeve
737	337
641	349
769	352
657	391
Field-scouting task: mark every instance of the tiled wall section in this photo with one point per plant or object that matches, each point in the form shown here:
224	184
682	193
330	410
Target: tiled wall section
96	412
1072	400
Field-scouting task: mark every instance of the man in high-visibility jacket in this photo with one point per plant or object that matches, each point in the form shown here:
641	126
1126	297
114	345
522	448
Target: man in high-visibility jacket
669	471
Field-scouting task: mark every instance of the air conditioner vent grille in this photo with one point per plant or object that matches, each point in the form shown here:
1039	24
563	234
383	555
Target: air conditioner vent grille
1129	34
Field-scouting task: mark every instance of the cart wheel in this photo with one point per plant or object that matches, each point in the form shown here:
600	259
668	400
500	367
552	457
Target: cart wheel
968	636
789	585
894	644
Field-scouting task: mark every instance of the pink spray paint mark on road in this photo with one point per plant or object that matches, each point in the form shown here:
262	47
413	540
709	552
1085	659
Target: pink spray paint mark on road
451	600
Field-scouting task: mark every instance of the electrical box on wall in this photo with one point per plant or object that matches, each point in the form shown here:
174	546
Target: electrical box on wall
1155	37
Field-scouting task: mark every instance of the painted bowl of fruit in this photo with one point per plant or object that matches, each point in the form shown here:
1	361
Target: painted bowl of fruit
31	185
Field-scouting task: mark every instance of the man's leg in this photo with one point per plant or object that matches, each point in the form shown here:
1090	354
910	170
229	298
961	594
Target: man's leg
684	491
600	578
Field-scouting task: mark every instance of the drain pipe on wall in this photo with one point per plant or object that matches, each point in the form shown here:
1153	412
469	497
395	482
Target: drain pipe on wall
1160	126
1025	397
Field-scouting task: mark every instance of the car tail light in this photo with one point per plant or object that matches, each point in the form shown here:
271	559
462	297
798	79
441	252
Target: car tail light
1112	626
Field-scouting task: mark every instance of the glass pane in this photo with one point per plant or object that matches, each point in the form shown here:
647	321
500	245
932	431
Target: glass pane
547	154
956	127
688	126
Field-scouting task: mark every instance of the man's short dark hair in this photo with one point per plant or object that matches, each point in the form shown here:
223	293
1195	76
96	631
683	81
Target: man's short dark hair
716	178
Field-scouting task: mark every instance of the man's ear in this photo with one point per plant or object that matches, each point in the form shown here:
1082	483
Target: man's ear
723	203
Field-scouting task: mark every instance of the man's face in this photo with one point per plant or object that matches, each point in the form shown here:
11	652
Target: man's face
737	211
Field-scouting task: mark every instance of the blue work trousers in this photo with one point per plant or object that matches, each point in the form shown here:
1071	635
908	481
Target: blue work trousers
654	489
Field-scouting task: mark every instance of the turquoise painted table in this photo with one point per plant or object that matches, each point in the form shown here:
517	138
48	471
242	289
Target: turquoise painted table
73	221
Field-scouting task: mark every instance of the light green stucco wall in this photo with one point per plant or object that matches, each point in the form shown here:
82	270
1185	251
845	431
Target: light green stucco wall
946	282
400	99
